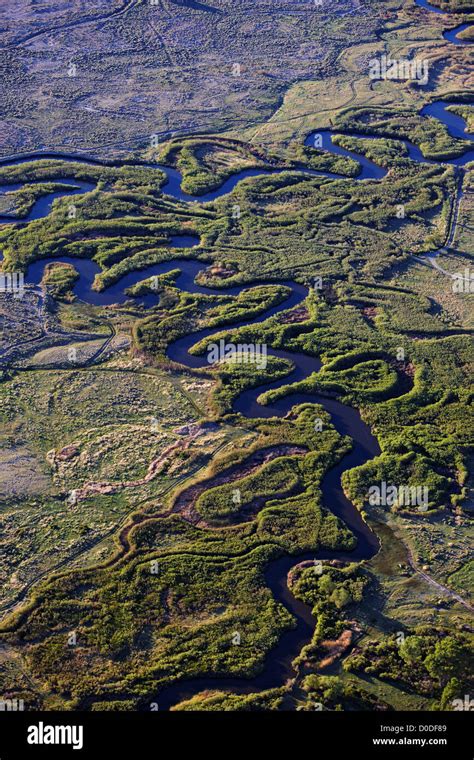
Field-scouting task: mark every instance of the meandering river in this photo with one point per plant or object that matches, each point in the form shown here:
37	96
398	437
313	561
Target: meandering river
346	419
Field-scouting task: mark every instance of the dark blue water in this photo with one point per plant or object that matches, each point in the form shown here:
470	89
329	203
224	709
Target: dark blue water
115	294
43	205
173	185
456	127
369	170
452	34
455	124
346	419
425	4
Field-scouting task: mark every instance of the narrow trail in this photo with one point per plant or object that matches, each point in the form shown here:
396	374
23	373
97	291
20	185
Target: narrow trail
128	5
435	584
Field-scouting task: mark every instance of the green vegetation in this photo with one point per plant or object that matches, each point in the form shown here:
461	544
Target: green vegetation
205	163
25	197
140	514
186	313
429	134
465	112
169	559
331	693
59	280
273	481
455	6
322	161
384	152
427	661
331	591
267	700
